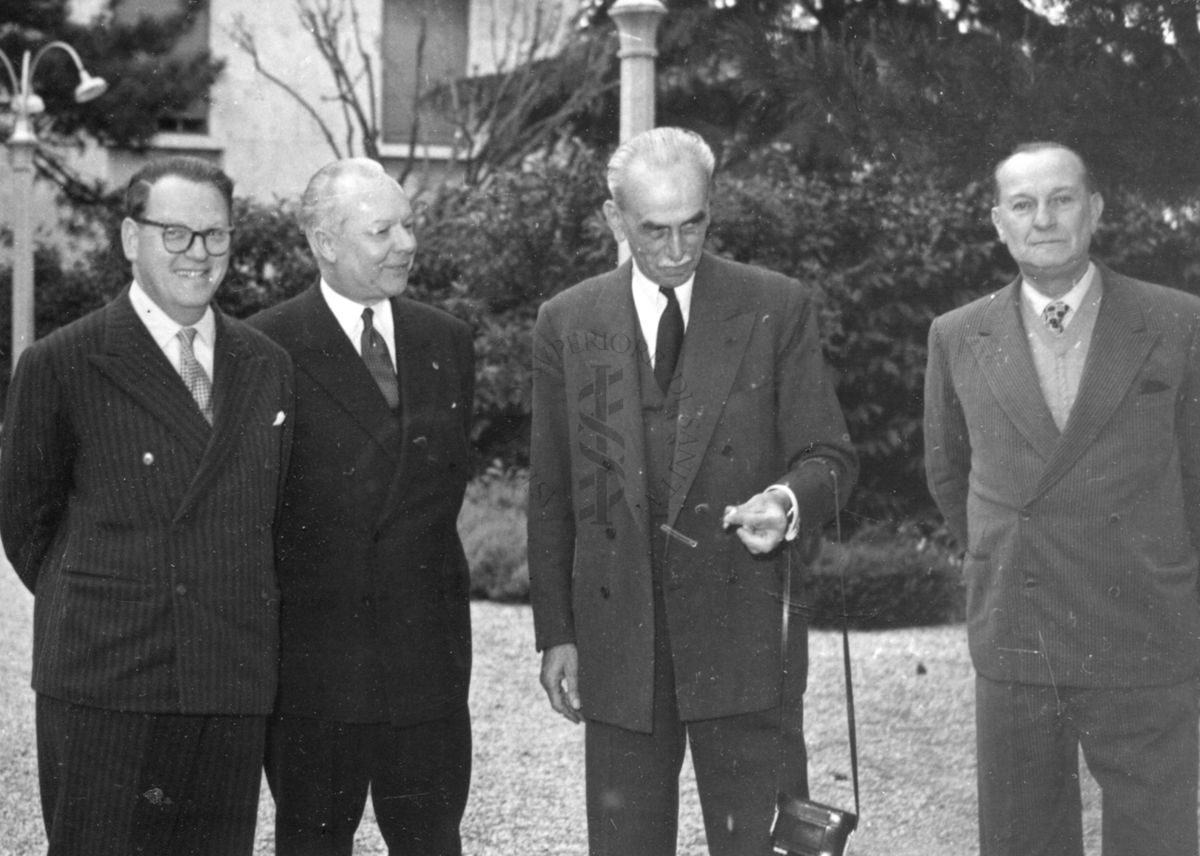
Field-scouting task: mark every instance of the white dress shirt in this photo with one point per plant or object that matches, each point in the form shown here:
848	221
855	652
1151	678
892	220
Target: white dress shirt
165	330
650	304
349	317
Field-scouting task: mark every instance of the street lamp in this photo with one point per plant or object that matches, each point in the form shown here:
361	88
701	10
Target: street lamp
26	103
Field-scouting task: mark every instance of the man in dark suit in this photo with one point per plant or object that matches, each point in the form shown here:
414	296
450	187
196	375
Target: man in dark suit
376	635
142	451
1062	442
666	392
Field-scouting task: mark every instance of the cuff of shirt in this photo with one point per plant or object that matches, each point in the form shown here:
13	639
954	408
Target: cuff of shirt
793	518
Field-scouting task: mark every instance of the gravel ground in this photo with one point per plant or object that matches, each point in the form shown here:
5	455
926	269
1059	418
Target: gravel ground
916	745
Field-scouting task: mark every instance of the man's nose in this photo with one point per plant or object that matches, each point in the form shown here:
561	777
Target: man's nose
198	249
1044	218
406	241
675	245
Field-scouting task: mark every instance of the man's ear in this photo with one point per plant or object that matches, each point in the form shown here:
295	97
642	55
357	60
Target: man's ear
1097	206
323	245
129	239
613	215
996	222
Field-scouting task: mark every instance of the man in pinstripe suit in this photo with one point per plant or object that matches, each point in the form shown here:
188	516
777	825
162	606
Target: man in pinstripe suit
142	449
1062	438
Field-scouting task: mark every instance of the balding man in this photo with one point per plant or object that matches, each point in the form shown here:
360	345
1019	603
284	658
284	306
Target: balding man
1062	432
375	624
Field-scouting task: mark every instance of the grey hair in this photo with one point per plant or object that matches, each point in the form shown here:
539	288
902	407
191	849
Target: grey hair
319	204
1041	146
661	147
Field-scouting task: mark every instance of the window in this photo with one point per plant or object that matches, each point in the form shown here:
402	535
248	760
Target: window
424	44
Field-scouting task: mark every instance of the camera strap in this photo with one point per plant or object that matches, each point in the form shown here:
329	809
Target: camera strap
787	604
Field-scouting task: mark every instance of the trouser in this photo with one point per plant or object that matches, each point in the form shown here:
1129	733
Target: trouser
115	783
418	775
740	762
1140	745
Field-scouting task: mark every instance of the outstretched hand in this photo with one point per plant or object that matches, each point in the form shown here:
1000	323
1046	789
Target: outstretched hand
761	521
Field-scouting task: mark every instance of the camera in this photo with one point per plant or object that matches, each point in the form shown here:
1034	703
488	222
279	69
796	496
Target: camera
807	828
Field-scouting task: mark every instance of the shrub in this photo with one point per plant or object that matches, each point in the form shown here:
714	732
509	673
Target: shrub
492	527
886	251
894	577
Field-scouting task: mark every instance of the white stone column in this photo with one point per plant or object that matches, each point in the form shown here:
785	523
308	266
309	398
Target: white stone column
637	24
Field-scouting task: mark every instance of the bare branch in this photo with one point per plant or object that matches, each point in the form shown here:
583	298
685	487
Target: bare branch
244	40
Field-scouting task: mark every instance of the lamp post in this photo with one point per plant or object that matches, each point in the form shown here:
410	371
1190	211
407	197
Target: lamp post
26	103
637	26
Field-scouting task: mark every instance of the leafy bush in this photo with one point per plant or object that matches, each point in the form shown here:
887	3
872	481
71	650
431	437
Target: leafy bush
886	251
492	527
894	577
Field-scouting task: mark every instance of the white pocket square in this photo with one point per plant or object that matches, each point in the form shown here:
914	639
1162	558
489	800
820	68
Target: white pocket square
279	417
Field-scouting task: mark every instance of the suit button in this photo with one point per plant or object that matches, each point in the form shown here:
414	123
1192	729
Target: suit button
604	592
1114	518
1025	515
181	589
1031	582
148	458
610	533
366	601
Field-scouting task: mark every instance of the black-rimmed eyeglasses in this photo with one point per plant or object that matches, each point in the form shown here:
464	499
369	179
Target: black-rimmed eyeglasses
179	239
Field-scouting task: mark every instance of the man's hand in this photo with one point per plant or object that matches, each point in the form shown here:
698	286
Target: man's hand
560	679
761	521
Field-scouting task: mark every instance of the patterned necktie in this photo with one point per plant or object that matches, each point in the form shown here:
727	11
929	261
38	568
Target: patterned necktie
1053	315
379	361
670	340
194	376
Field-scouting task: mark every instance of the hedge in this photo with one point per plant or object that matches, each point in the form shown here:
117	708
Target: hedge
886	250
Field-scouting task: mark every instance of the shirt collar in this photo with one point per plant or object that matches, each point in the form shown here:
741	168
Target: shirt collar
349	314
163	328
647	295
1073	298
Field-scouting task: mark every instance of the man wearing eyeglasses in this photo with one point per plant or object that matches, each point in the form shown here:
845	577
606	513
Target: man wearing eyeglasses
139	468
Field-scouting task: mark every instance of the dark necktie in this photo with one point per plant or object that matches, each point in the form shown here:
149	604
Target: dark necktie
1053	315
670	340
379	361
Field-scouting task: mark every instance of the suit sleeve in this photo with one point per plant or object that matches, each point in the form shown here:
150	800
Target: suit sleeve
467	390
1188	434
947	443
36	461
822	465
551	516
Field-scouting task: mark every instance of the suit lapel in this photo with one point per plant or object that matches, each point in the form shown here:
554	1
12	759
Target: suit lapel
1001	351
1120	344
615	416
326	355
419	373
237	381
718	332
134	362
